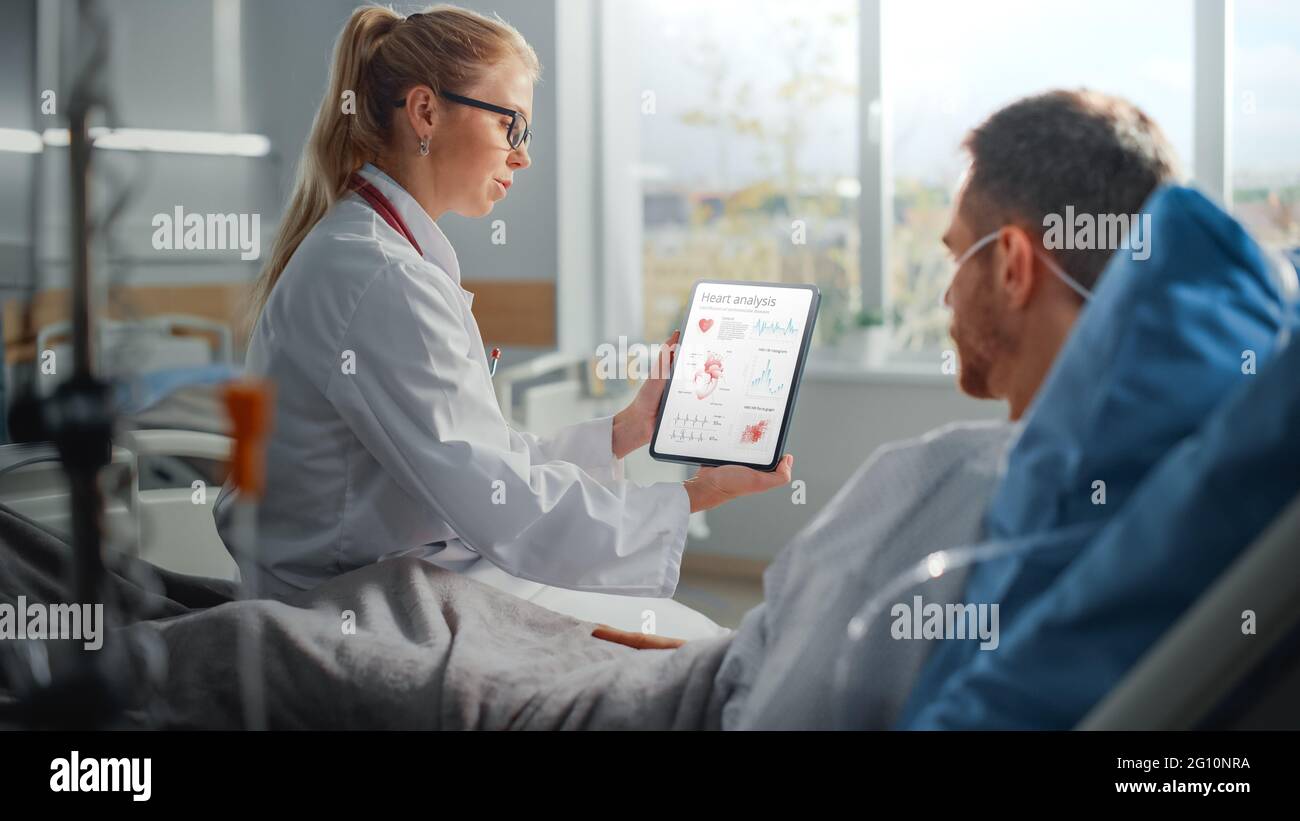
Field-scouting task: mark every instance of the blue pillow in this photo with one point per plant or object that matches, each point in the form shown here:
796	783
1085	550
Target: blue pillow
1158	347
1163	341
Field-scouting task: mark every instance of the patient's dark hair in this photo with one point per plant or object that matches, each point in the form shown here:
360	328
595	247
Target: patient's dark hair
1097	153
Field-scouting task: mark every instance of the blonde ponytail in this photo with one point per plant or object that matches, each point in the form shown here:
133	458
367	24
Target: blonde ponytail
378	57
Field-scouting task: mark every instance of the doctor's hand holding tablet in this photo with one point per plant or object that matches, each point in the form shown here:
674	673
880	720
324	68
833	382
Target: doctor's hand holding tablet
711	486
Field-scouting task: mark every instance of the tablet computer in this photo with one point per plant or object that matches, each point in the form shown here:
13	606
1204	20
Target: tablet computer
736	374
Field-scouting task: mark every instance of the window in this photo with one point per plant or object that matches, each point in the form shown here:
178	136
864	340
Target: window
748	149
759	155
944	79
1266	120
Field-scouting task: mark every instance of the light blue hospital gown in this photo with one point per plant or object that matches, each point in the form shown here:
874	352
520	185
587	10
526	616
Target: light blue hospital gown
907	500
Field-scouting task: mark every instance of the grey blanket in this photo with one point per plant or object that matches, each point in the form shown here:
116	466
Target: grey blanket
399	644
405	645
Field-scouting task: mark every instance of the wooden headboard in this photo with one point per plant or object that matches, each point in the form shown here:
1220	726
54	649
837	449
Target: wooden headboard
509	312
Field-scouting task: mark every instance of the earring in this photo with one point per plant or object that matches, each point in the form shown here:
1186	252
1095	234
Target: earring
424	148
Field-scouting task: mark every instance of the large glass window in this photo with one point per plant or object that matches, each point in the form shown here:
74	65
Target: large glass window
1266	120
749	143
945	78
748	149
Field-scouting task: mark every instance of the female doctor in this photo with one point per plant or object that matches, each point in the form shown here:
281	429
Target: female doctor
387	437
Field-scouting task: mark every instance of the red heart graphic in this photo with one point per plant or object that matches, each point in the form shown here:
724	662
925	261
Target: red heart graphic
705	324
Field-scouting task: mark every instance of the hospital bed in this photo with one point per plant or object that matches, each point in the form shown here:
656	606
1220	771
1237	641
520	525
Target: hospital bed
142	345
1195	676
1201	674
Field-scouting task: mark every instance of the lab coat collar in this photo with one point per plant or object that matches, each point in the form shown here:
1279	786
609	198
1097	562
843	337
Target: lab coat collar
434	244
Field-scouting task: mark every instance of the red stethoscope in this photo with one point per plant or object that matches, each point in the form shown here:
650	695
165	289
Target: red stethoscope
376	199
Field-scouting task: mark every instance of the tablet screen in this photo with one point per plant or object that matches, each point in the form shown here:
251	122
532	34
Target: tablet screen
737	370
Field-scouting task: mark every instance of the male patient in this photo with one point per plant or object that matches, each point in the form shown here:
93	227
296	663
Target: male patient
1013	303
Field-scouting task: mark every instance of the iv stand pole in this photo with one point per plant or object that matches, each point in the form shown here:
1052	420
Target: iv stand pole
85	444
83	688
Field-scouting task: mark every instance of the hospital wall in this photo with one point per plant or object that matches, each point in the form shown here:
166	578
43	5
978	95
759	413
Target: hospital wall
16	170
168	70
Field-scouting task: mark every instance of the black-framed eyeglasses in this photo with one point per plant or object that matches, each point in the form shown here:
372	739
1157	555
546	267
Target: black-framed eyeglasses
519	133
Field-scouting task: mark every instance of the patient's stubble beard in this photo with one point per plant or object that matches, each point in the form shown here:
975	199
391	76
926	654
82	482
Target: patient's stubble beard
981	342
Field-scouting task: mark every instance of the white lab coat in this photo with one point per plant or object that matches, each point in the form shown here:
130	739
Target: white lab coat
388	439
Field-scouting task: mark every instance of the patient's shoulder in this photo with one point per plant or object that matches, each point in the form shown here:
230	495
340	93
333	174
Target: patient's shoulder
909	498
973	446
954	466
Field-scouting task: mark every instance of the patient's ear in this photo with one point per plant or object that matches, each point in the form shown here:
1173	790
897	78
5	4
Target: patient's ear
1018	278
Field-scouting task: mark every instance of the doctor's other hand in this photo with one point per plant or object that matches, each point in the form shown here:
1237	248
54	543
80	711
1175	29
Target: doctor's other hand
635	424
713	486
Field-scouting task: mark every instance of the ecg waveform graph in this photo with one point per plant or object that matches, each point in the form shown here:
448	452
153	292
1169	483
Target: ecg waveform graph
695	427
763	328
696	421
692	436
